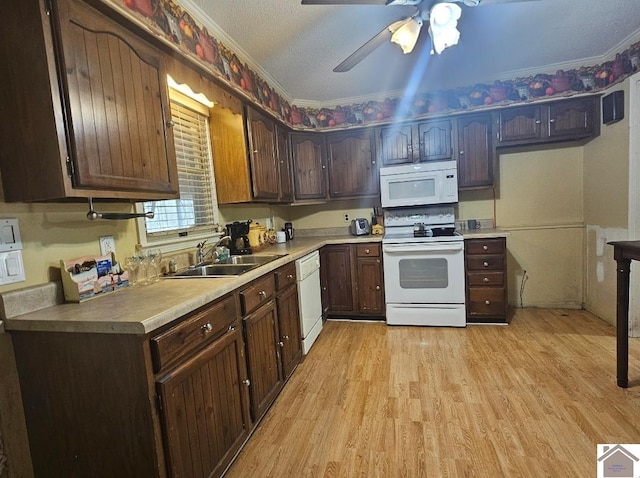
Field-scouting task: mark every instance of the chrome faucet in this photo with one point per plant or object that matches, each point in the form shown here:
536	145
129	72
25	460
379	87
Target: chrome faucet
201	254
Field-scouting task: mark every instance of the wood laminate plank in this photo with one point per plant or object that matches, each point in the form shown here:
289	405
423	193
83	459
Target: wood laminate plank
529	399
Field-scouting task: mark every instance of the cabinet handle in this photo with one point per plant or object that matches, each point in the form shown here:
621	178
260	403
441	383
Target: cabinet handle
486	279
552	120
247	382
366	251
262	294
206	328
487	302
281	344
485	247
289	276
485	263
171	123
377	287
461	152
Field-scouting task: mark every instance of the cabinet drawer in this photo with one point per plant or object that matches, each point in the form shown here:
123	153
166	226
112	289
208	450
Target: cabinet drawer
285	276
485	246
480	263
368	250
259	292
486	302
488	278
193	332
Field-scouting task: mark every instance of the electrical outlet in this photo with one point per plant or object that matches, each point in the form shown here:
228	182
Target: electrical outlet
346	217
107	245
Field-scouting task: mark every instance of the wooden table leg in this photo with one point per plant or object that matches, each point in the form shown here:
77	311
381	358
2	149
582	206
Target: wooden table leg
622	322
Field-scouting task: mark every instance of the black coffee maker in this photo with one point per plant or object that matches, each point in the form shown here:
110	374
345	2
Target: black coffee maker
239	242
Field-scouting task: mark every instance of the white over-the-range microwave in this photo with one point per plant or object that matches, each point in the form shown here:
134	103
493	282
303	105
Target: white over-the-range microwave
419	184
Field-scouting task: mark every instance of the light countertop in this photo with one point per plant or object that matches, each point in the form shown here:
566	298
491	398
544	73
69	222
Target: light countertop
143	309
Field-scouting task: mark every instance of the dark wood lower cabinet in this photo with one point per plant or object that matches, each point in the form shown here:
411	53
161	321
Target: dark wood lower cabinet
265	374
205	409
351	277
176	403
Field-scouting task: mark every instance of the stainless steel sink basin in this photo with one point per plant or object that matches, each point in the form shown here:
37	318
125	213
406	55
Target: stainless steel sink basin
233	266
251	259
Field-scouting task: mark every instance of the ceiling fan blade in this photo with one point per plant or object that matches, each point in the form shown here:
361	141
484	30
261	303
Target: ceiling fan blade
361	53
344	2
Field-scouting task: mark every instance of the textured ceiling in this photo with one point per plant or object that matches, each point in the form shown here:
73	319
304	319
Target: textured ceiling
299	45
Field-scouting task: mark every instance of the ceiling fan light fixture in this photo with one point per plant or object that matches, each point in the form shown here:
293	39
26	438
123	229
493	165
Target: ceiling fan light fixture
406	35
443	21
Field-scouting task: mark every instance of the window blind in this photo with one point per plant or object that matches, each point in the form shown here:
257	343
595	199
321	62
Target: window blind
196	206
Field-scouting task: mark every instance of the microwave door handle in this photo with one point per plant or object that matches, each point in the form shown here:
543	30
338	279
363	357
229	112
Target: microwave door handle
422	248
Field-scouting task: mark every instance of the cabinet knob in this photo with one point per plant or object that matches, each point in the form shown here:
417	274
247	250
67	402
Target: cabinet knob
485	248
486	279
289	276
367	251
206	328
281	344
461	152
538	121
247	382
377	287
286	337
552	120
485	263
171	123
231	328
262	294
487	302
255	151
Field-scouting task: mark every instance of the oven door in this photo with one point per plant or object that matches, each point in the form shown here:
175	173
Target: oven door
424	273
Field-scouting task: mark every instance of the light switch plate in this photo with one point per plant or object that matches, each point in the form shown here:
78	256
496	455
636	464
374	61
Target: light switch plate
107	245
11	267
10	235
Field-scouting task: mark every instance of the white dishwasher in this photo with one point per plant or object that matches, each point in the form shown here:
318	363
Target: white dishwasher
308	277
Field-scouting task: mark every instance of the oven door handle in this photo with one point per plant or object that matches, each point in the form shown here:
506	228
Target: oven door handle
427	248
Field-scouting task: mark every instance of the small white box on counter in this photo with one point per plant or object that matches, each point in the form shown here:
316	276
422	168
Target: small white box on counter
88	277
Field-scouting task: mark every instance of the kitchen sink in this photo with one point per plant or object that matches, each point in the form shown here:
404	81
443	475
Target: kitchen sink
251	259
232	266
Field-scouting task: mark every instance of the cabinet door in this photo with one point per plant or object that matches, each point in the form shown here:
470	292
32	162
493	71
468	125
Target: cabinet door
339	286
435	140
396	144
284	165
475	154
205	408
116	89
572	118
261	336
370	286
520	124
352	168
262	154
289	329
309	170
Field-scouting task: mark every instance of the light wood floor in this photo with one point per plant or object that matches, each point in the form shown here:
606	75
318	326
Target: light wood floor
530	399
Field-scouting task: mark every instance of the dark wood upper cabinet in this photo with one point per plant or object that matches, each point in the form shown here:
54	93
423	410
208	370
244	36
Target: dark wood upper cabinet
435	140
261	133
475	151
283	147
564	120
309	169
396	144
352	168
90	114
416	142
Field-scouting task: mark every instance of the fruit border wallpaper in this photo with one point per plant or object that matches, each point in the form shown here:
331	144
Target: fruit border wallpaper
171	22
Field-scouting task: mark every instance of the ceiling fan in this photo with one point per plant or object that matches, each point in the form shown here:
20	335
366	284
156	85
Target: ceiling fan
441	16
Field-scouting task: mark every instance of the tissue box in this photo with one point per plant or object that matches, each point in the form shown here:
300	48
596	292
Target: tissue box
88	277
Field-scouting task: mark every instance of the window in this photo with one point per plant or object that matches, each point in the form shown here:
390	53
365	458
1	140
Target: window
193	216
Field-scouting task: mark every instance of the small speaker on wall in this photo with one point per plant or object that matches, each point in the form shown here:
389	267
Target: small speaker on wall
613	107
